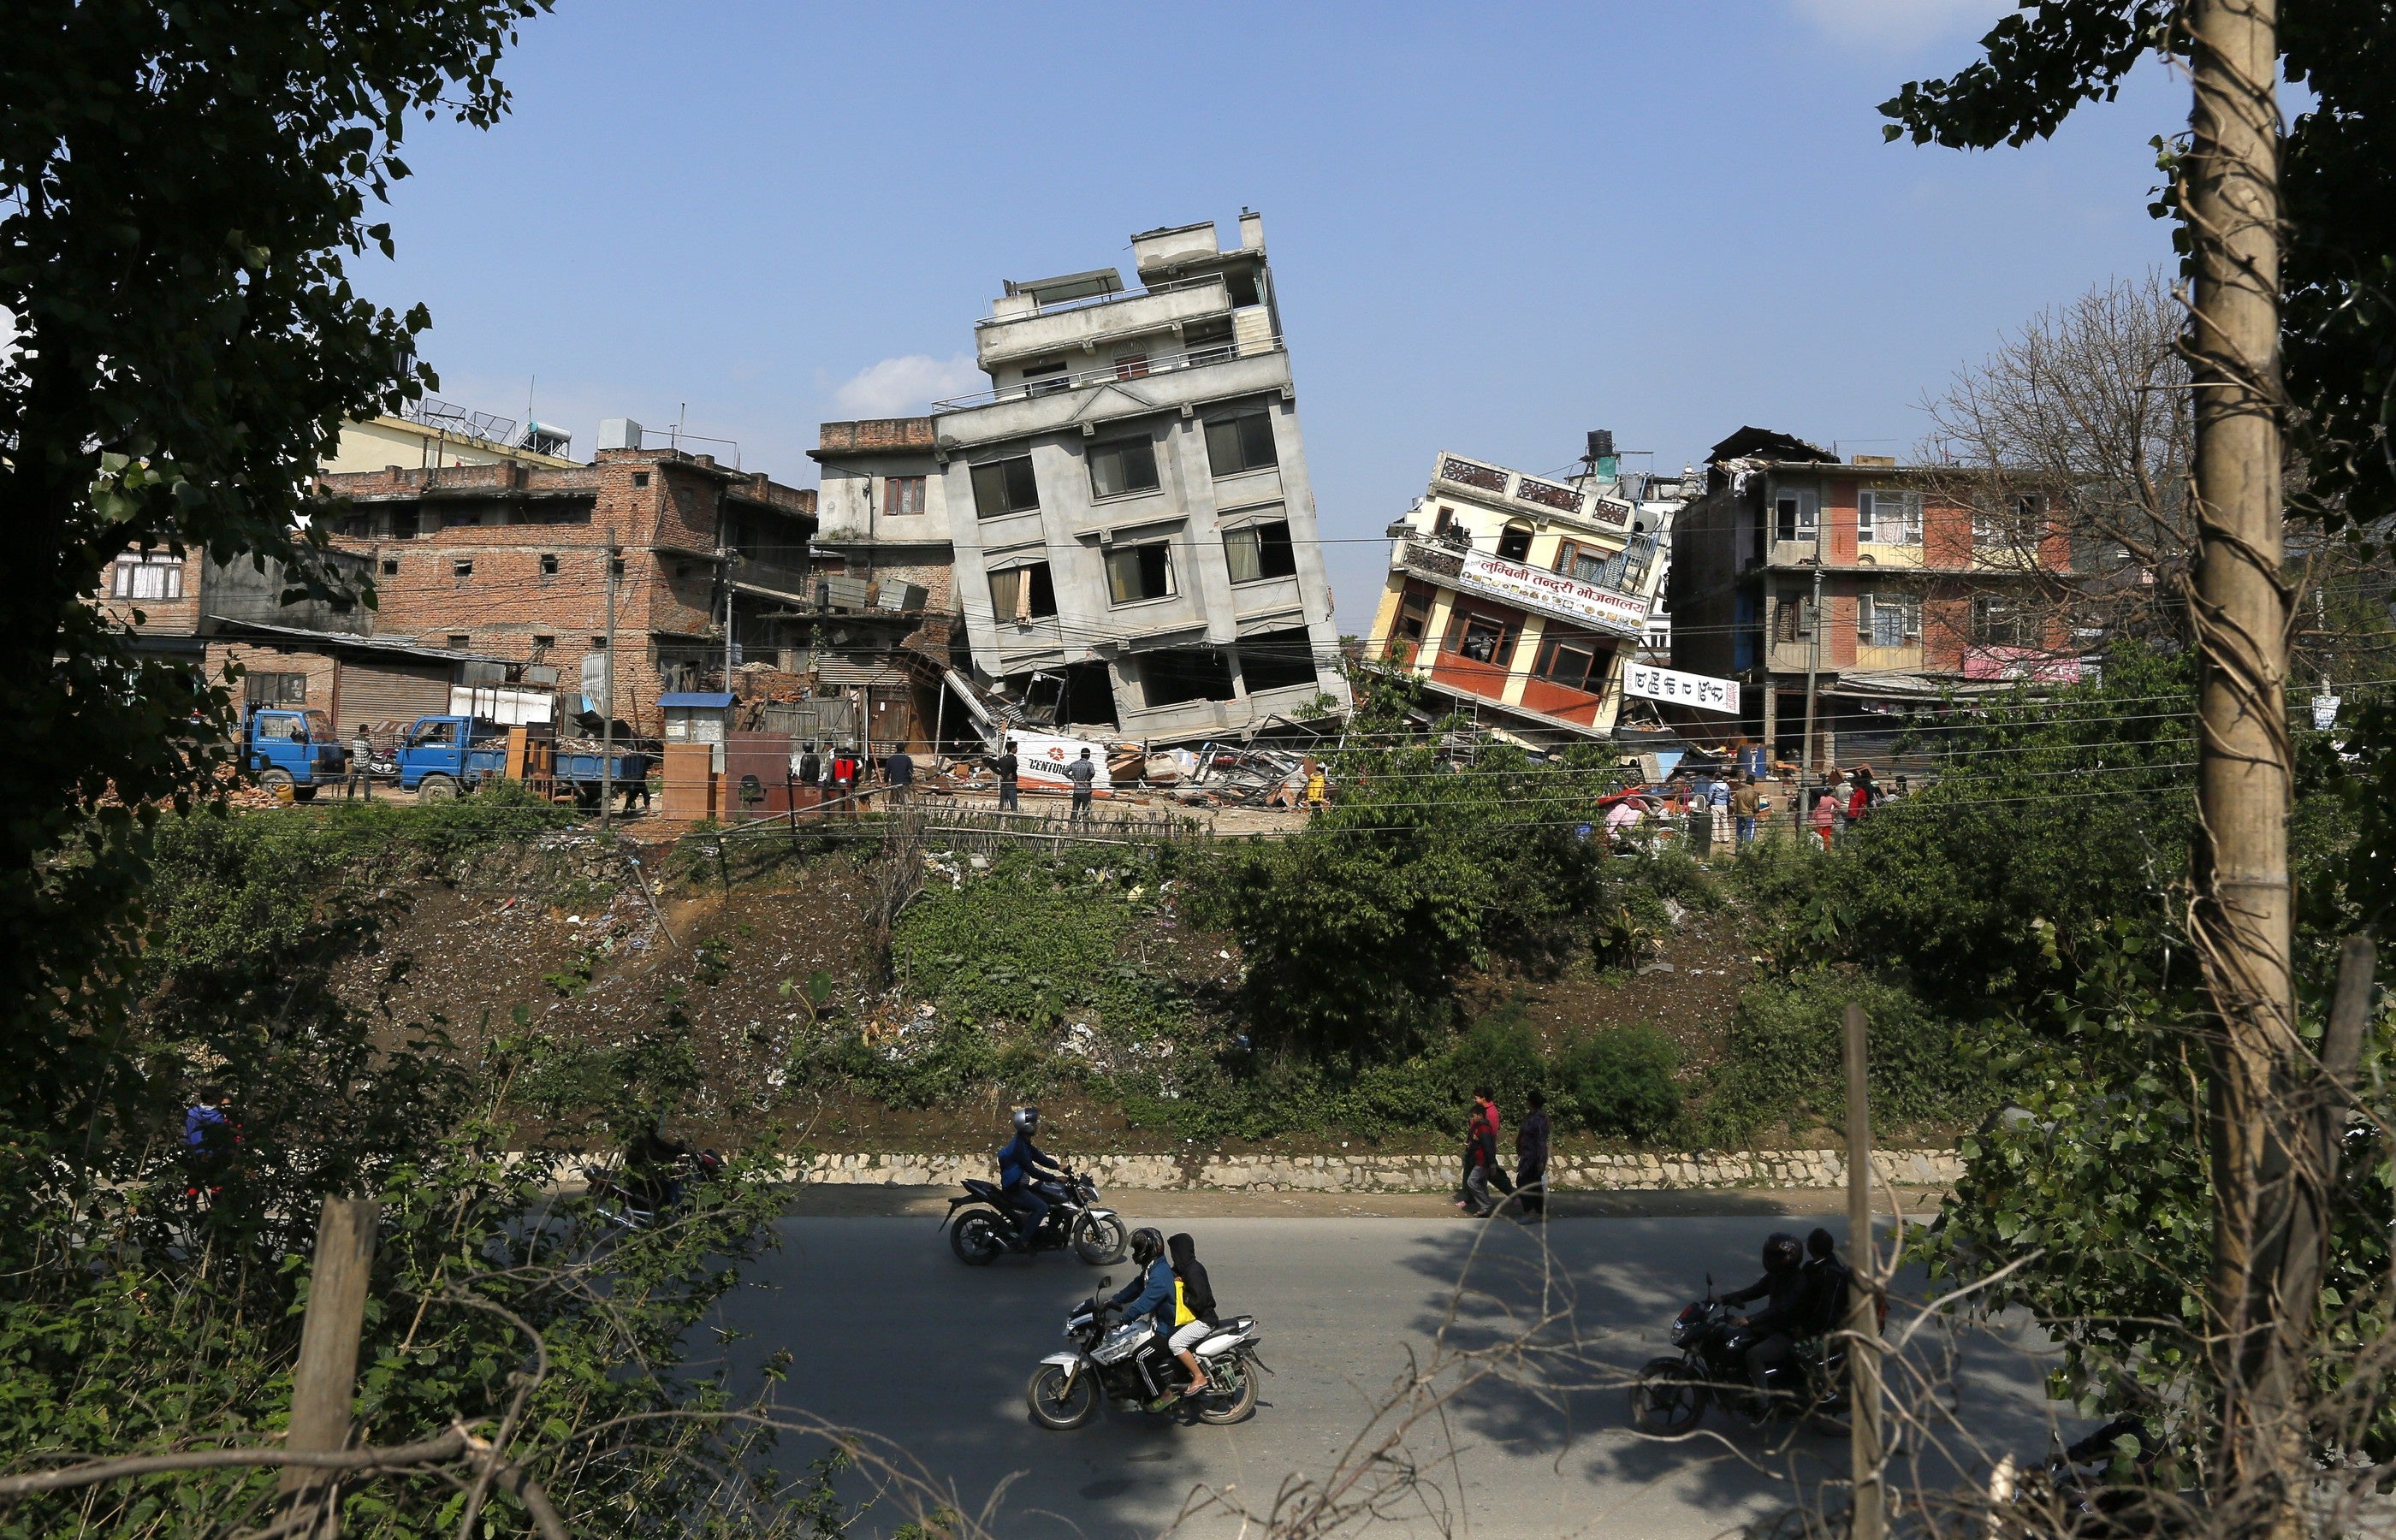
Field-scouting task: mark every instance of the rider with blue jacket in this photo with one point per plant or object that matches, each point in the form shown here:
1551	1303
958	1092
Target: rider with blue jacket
1021	1168
1148	1295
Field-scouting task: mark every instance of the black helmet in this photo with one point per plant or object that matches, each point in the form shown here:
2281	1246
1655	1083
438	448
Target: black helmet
1781	1250
1027	1120
1147	1244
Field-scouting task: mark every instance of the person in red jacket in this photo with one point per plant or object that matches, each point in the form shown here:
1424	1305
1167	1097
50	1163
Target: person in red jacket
1480	1168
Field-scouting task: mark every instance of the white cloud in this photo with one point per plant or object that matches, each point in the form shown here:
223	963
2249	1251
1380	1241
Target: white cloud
899	387
1900	24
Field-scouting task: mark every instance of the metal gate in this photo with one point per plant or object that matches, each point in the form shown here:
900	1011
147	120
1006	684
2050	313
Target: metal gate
387	691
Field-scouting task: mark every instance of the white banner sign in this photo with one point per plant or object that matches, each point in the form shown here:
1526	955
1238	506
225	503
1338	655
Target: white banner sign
1553	593
1706	695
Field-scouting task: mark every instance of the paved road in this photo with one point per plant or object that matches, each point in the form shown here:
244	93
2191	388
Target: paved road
889	1335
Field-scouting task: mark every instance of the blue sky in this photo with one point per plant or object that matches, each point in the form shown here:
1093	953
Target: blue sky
1493	227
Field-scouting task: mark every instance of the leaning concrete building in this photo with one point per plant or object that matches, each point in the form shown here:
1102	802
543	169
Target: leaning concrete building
1127	507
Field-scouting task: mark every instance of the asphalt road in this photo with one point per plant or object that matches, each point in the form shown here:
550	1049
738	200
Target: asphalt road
890	1335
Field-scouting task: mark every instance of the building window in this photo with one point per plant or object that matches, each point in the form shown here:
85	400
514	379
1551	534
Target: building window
459	640
2016	523
1440	521
1257	551
1998	623
1021	593
1121	467
1413	617
1573	659
463	568
1514	542
1793	515
598	643
1242	443
1277	660
549	563
616	566
1209	341
1482	638
390	567
1888	518
1887	619
276	689
1130	366
1005	486
542	643
153	575
1139	572
902	497
640	478
1179	674
1046	378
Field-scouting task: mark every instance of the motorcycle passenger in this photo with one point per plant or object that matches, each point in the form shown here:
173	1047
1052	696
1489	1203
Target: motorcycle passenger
1021	1171
1782	1288
1827	1283
1149	1295
651	1162
1193	1308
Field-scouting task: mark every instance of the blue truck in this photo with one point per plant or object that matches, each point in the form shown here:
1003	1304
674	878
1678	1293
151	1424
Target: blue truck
441	756
292	747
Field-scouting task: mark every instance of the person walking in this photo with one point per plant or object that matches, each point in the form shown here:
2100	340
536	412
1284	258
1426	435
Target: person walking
1746	805
1010	799
1531	1159
844	777
1482	1170
356	780
1860	796
209	1135
1826	813
899	775
1084	773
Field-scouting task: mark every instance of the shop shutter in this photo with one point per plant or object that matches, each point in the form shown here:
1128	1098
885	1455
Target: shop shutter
385	691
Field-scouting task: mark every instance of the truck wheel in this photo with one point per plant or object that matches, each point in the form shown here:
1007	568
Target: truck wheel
303	793
437	789
278	782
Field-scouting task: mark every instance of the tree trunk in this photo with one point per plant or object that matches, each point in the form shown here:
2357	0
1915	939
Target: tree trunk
2240	920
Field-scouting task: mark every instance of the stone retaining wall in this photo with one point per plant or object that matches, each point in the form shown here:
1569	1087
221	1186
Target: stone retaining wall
1775	1168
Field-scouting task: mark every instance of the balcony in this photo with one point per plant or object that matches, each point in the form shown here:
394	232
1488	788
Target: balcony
1615	611
1087	321
1161	383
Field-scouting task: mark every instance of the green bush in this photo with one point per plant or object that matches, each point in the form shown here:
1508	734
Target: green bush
1619	1082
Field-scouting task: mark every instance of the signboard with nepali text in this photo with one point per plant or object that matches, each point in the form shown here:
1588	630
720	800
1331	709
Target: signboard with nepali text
1687	689
1553	593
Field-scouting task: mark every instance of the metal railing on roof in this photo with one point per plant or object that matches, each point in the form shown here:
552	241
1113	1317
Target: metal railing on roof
1121	370
1090	301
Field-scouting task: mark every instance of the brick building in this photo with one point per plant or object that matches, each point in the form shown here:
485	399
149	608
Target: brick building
512	560
1885	585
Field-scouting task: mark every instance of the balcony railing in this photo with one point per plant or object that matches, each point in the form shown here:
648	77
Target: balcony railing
1089	301
1121	370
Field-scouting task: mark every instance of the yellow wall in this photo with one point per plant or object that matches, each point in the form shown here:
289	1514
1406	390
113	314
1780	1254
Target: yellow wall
384	441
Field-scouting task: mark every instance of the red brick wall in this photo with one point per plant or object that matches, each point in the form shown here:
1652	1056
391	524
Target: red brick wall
322	670
1946	535
1839	507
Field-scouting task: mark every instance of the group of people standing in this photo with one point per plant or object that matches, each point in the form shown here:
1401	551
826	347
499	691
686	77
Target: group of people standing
838	770
1717	808
1527	1189
1081	772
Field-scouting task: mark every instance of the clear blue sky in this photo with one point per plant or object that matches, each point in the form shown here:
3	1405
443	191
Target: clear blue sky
1493	227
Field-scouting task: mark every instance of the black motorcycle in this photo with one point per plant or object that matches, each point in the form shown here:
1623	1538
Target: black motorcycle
635	1204
1130	1364
1671	1394
987	1229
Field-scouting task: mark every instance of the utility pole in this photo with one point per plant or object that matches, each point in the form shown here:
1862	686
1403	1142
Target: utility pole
1863	1299
324	1380
607	706
2241	923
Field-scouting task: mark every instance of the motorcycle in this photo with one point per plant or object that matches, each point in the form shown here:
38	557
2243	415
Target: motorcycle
1670	1394
987	1228
632	1205
1130	1363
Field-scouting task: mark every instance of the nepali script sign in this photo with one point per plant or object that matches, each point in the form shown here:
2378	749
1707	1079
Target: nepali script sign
1688	689
1553	593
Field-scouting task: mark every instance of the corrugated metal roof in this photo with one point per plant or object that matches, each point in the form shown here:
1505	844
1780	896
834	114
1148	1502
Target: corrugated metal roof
405	646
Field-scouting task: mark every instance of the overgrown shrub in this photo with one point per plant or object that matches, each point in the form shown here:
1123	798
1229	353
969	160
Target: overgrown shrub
1619	1082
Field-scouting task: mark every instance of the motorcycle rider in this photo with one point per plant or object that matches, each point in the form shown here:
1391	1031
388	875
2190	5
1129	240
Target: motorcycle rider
1148	1297
1193	1308
1783	1289
652	1163
1827	1283
1021	1171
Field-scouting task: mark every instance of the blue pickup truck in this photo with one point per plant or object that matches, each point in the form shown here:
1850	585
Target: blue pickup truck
293	748
441	756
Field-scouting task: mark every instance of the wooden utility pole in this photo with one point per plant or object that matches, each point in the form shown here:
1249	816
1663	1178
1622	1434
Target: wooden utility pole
608	708
2241	920
1863	1300
325	1382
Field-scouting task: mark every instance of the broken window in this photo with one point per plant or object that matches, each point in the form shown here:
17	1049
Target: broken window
1414	615
1278	660
1440	521
1576	659
154	574
1179	674
1024	593
1794	513
1046	378
1122	466
1241	282
1514	542
1241	443
1209	341
462	568
1005	486
1998	623
902	497
1139	572
1480	638
1257	551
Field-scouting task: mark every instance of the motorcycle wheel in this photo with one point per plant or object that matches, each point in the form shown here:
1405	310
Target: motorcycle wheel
975	1238
1668	1398
1054	1405
1099	1240
1225	1403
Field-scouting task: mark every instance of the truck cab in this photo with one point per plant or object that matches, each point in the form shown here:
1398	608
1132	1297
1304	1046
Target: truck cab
441	756
294	748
